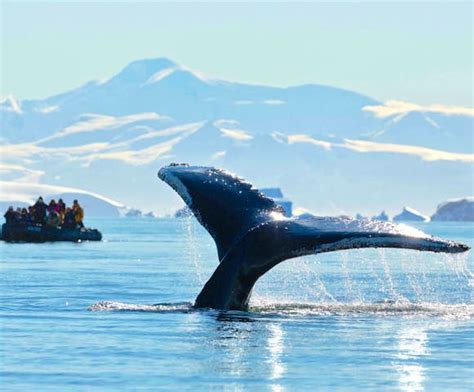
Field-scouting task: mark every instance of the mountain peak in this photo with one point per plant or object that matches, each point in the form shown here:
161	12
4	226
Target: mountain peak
141	70
154	65
10	104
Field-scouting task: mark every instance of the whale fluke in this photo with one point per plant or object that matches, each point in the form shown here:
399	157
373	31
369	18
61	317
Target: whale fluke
227	206
252	235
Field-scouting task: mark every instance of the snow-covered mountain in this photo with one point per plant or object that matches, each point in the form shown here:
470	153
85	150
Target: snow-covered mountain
332	150
172	92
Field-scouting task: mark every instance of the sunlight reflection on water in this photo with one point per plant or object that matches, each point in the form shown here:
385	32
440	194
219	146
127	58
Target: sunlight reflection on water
354	320
412	343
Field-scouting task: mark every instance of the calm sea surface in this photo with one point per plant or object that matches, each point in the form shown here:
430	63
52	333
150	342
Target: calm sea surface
116	315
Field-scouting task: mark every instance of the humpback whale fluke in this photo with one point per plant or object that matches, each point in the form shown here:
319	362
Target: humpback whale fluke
252	235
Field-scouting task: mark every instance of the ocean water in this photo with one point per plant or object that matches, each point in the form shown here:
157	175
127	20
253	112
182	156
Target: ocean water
116	315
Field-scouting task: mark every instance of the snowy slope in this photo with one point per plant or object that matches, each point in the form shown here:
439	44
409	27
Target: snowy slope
319	143
23	194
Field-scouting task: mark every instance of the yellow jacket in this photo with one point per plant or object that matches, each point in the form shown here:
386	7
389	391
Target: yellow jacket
78	214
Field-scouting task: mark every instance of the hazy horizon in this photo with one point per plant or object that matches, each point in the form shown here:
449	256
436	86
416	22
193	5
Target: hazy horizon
419	52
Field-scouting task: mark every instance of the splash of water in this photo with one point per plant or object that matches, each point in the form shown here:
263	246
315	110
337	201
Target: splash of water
362	276
263	308
120	306
352	288
318	289
461	311
356	282
192	248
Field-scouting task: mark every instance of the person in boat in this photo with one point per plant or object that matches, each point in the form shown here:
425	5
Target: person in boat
78	213
61	209
31	213
69	219
39	211
53	219
51	206
9	215
25	217
18	215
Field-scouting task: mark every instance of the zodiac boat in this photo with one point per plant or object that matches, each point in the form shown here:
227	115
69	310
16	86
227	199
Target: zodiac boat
43	233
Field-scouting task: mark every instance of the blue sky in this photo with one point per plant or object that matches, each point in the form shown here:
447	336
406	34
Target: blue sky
419	52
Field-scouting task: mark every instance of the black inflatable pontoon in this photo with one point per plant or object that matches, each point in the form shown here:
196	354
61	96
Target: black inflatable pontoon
43	233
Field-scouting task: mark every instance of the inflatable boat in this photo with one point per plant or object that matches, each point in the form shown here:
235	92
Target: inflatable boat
43	233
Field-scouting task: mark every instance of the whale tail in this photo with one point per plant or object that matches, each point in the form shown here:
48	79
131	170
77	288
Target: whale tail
252	235
224	204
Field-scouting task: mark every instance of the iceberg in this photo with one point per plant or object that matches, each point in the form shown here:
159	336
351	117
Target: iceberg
133	213
455	210
410	214
381	217
277	195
